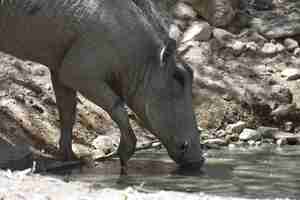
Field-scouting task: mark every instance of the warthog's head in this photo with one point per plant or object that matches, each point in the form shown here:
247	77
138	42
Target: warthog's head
168	108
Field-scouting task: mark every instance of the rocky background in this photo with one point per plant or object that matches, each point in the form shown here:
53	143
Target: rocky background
246	61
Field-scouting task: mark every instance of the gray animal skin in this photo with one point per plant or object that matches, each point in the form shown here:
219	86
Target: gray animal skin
109	52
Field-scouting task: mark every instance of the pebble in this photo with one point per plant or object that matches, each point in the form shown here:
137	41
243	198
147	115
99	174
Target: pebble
215	141
267	132
284	110
198	30
290	44
184	11
271	48
103	143
236	127
249	134
222	35
291	74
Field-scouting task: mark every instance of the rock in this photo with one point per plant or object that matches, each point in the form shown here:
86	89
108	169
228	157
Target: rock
175	32
290	44
288	126
281	94
200	31
182	24
271	48
281	142
104	143
221	133
274	24
215	141
284	110
231	138
282	134
262	4
196	54
291	74
14	157
296	51
289	137
184	11
252	46
249	134
219	13
258	143
236	128
238	45
251	142
257	38
267	132
223	36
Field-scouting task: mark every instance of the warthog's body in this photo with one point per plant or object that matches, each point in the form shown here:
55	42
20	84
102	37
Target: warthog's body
106	50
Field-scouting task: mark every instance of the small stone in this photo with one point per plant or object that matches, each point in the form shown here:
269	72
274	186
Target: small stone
231	138
236	127
250	134
103	143
252	46
267	132
281	94
282	134
223	36
258	143
251	142
200	31
221	133
296	51
290	44
288	126
182	24
215	141
291	74
284	110
271	48
281	142
268	141
184	11
231	146
237	45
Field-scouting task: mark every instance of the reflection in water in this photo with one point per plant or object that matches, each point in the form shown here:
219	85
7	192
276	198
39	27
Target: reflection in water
245	173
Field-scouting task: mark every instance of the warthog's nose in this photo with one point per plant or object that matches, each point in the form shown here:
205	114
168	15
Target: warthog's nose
190	156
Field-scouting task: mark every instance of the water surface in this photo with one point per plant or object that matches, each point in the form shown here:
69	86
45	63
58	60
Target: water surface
262	173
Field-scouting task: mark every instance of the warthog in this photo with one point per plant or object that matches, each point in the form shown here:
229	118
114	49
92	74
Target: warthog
109	52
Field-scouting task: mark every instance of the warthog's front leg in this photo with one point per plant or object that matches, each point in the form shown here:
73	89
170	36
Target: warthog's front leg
128	140
101	94
66	104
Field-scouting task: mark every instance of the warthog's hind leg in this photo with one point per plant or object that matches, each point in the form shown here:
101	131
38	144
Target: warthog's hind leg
66	104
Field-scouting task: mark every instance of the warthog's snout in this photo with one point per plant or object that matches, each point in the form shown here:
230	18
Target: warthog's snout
188	154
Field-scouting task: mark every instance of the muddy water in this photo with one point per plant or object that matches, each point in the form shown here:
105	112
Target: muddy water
262	173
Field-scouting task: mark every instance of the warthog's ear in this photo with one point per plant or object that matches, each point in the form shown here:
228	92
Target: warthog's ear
167	52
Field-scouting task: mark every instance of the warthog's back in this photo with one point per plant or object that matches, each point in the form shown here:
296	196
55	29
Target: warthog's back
43	30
